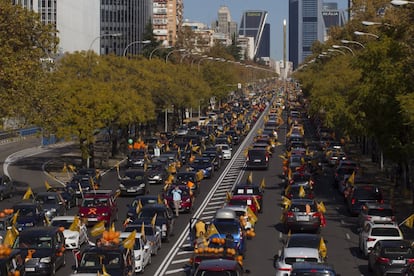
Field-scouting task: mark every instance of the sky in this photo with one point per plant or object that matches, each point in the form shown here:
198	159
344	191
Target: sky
205	11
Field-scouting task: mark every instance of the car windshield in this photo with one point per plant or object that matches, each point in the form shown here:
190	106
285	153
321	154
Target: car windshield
302	208
149	213
367	193
227	228
62	223
311	242
385	232
47	199
109	259
217	273
95	202
26	241
134	175
381	212
201	161
312	272
26	211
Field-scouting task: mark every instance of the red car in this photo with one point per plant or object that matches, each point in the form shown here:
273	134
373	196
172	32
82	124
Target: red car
246	200
186	198
99	205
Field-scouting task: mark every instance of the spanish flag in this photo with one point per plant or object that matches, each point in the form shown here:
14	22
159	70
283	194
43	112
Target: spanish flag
409	221
252	217
98	228
250	178
28	194
351	179
263	184
129	242
323	251
302	192
321	207
75	224
47	186
286	202
211	230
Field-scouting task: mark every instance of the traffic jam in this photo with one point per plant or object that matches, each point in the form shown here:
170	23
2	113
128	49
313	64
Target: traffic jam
162	179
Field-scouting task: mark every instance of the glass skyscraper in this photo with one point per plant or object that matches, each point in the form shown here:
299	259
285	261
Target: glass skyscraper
253	25
306	26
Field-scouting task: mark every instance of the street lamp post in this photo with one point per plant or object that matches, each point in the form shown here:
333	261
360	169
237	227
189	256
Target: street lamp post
101	36
133	43
201	59
344	41
344	47
367	34
371	23
401	2
173	51
160	47
336	50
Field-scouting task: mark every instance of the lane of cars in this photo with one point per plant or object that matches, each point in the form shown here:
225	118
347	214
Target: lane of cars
47	210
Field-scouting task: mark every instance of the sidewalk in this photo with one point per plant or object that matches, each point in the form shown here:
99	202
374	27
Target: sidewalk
399	199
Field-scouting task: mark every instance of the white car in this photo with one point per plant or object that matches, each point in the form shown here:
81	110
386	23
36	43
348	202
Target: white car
153	235
226	150
290	255
73	239
374	231
142	253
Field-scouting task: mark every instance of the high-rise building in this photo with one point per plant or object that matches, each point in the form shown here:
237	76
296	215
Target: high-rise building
253	25
332	16
306	26
264	44
167	20
225	30
104	26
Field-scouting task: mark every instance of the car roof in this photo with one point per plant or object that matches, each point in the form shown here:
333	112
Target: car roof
301	252
66	218
218	264
310	265
39	230
395	243
383	224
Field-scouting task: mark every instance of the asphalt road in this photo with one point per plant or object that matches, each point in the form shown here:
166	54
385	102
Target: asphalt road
342	239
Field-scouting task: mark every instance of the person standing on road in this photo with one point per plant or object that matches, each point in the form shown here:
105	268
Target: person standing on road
176	193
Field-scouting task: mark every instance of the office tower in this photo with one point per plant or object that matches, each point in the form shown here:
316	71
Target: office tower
305	27
253	25
90	25
332	16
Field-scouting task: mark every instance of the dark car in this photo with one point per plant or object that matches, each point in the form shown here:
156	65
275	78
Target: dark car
7	188
143	200
315	269
391	257
47	245
164	219
257	159
214	157
361	195
182	178
137	158
156	173
204	164
219	267
80	184
134	182
30	214
116	259
90	173
302	215
68	194
53	204
234	136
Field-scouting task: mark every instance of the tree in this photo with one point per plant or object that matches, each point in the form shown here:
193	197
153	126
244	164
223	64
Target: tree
25	41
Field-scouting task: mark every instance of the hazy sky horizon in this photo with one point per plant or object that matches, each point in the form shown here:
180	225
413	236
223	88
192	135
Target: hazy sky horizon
205	11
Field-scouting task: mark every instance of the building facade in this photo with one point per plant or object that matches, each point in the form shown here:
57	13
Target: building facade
306	26
167	20
332	16
253	25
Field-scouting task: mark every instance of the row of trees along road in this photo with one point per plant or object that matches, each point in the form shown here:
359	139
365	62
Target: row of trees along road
368	94
83	92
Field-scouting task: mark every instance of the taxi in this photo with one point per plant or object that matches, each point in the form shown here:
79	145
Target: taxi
99	205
